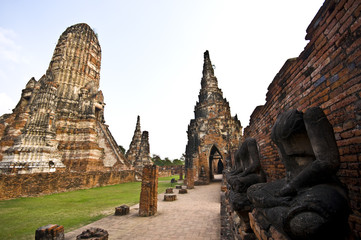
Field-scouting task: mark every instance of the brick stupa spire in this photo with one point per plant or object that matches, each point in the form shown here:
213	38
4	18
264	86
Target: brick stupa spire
138	153
213	134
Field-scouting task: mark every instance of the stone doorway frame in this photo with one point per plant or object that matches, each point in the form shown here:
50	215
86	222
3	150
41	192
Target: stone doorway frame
215	158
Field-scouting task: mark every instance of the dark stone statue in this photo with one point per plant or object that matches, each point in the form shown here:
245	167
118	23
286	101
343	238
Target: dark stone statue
248	172
310	203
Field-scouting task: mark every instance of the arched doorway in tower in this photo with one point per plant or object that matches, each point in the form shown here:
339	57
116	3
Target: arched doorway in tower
215	162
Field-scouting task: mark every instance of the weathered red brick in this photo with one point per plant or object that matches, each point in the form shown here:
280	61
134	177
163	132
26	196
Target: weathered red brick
345	25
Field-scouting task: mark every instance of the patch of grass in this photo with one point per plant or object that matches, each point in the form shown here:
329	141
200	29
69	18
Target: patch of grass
19	218
176	177
164	183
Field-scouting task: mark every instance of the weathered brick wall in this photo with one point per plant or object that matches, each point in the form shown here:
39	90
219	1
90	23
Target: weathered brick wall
24	185
166	171
326	74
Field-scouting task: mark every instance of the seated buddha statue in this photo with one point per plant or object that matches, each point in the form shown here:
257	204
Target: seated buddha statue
310	202
248	172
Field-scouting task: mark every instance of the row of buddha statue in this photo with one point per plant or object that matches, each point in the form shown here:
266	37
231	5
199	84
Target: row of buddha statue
310	202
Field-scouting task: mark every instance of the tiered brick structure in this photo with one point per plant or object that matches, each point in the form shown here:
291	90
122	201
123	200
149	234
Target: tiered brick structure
35	150
326	74
58	123
138	153
213	134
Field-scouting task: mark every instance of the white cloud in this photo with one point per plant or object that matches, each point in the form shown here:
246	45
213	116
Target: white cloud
6	103
9	49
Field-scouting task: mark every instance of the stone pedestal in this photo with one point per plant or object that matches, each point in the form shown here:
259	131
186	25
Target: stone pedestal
261	232
50	232
149	192
182	191
122	210
169	190
170	197
93	234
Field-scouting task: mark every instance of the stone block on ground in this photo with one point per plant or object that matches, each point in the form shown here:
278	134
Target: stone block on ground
93	234
182	191
121	210
50	232
170	197
169	190
178	186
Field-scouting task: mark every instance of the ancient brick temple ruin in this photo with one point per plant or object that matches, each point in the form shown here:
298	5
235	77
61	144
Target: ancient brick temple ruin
58	125
138	153
59	122
213	134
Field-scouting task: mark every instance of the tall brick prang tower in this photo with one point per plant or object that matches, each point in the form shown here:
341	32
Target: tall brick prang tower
58	123
213	134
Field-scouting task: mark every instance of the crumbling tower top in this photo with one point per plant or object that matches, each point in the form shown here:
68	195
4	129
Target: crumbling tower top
208	79
76	61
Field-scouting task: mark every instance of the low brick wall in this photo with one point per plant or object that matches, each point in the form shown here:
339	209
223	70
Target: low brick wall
165	173
14	186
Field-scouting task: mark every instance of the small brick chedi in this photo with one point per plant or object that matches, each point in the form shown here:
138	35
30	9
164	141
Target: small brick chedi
213	134
138	153
58	123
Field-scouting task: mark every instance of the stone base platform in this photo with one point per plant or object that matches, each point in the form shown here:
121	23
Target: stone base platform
170	197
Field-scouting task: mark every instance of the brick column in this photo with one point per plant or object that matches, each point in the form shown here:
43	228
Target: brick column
149	192
181	173
190	178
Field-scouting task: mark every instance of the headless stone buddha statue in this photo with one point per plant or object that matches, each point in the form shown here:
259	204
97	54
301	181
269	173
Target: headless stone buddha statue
310	203
248	172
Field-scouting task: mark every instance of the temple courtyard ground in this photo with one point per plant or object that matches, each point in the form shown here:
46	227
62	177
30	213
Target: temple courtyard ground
195	215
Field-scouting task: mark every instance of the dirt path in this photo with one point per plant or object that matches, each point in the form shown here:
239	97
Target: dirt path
195	215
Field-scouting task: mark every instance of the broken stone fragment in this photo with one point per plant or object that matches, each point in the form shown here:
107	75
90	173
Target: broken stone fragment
94	234
122	210
50	232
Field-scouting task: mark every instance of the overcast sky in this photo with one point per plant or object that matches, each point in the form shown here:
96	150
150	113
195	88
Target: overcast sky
152	55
